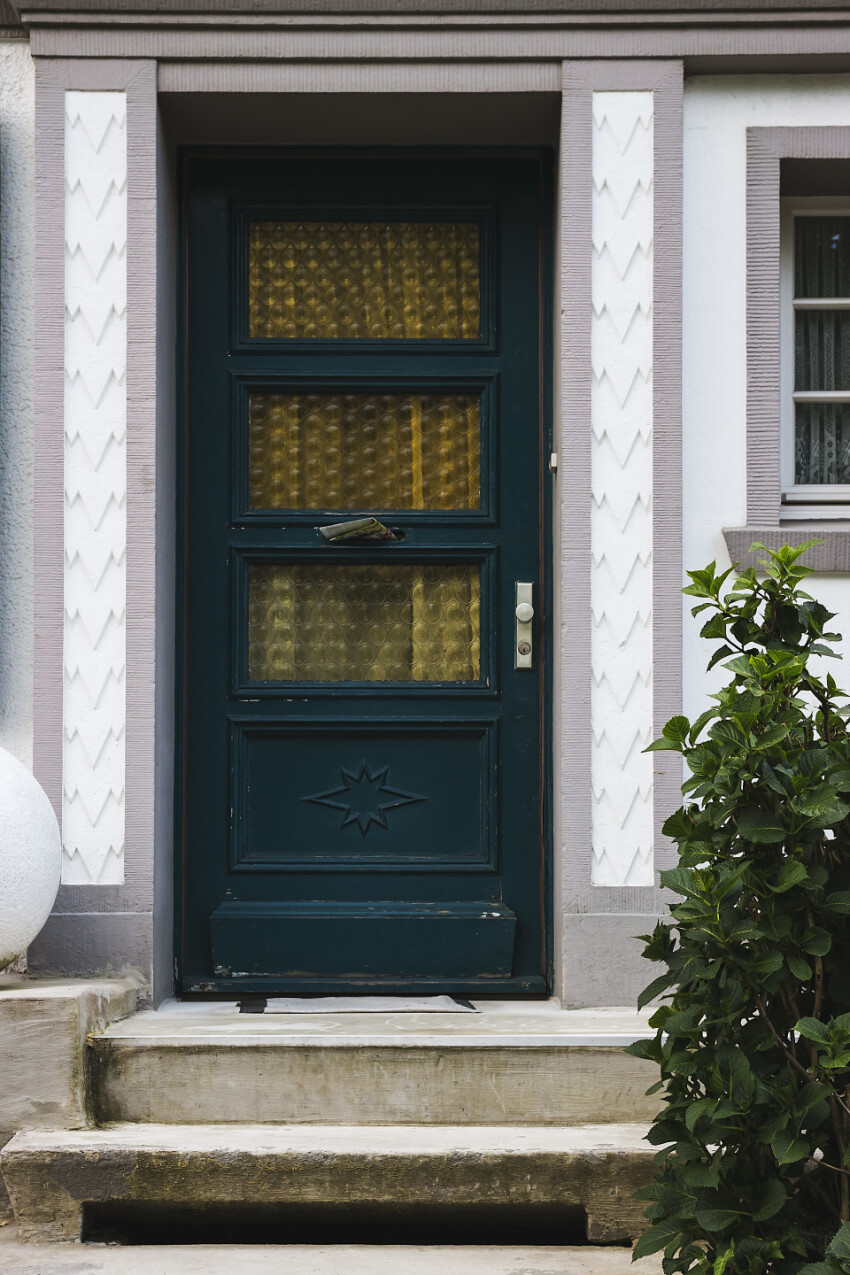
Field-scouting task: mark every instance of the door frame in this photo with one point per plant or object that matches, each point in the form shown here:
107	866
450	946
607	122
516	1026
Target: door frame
546	476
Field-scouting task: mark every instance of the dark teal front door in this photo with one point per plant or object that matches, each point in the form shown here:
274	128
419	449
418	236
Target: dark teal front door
362	717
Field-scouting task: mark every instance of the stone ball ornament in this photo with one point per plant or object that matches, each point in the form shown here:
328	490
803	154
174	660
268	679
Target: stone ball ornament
30	857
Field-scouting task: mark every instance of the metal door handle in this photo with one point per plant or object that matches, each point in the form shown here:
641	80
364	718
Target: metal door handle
524	614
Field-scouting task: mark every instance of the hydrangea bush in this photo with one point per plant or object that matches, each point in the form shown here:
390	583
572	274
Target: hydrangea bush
753	1035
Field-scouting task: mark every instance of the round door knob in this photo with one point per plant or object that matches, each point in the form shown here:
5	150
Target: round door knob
525	612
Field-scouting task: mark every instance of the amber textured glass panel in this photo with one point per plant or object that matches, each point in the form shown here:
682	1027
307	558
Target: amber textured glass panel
360	622
364	451
356	280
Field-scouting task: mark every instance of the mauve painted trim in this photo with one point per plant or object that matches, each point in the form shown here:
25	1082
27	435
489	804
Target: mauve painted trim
765	148
572	528
831	557
694	10
49	499
138	80
434	42
360	77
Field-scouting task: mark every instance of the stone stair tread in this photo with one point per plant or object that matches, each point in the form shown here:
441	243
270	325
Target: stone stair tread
404	1140
499	1023
54	1176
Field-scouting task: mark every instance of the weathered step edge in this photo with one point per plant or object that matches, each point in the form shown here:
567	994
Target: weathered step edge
52	1176
368	1085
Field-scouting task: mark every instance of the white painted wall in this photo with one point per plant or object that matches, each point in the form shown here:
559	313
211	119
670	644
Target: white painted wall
718	111
17	416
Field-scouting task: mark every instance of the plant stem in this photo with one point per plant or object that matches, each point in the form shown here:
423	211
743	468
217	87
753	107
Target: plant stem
798	1067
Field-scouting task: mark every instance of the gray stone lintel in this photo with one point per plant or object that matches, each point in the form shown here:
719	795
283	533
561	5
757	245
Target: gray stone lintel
830	557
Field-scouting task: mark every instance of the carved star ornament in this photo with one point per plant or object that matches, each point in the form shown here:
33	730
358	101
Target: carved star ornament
364	797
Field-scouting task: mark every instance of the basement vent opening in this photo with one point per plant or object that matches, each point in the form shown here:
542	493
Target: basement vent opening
129	1224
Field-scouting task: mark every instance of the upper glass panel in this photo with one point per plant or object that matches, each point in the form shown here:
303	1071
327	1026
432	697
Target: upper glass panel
366	280
822	257
364	451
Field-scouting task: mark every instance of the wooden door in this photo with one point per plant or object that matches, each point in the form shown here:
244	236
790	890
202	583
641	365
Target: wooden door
362	770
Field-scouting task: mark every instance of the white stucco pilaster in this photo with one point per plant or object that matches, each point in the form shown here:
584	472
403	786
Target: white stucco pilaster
95	520
621	484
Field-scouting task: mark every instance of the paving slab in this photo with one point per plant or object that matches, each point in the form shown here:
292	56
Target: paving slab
302	1259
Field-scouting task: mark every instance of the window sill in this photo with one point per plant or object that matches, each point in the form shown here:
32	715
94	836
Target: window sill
831	557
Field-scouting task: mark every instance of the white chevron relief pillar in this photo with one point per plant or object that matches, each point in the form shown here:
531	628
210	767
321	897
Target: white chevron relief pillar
95	486
621	480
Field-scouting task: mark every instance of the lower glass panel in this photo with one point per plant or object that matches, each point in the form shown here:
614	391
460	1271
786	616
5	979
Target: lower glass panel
822	443
360	622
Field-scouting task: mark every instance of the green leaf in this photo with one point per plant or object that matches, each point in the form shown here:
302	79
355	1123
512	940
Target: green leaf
654	989
716	1219
839	1245
727	732
657	1237
791	873
740	665
838	901
663	746
760	827
788	1149
813	1029
816	941
677	729
798	967
771	1200
772	736
723	1260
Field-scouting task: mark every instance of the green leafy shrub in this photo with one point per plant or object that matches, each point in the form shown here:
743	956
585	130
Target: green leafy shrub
754	1044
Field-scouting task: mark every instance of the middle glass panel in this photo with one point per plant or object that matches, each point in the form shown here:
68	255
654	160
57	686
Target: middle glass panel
364	451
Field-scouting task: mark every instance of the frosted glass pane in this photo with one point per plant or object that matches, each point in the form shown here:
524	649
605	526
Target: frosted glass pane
355	280
822	349
399	622
822	257
364	451
822	443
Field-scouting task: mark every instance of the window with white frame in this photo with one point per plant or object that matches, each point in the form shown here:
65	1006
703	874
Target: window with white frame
815	363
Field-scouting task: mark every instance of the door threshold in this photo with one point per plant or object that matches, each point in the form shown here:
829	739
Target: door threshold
497	1023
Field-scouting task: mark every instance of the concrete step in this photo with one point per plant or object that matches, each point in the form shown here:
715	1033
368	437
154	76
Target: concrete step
510	1064
257	1172
17	1258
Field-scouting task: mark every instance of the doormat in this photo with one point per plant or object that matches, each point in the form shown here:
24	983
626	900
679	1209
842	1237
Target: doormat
355	1005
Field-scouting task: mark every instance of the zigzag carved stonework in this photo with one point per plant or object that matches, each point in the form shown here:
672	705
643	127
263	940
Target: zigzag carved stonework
95	486
621	481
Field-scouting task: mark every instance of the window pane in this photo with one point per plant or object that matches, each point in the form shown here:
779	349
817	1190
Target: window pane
822	256
355	280
822	443
364	451
397	622
822	349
